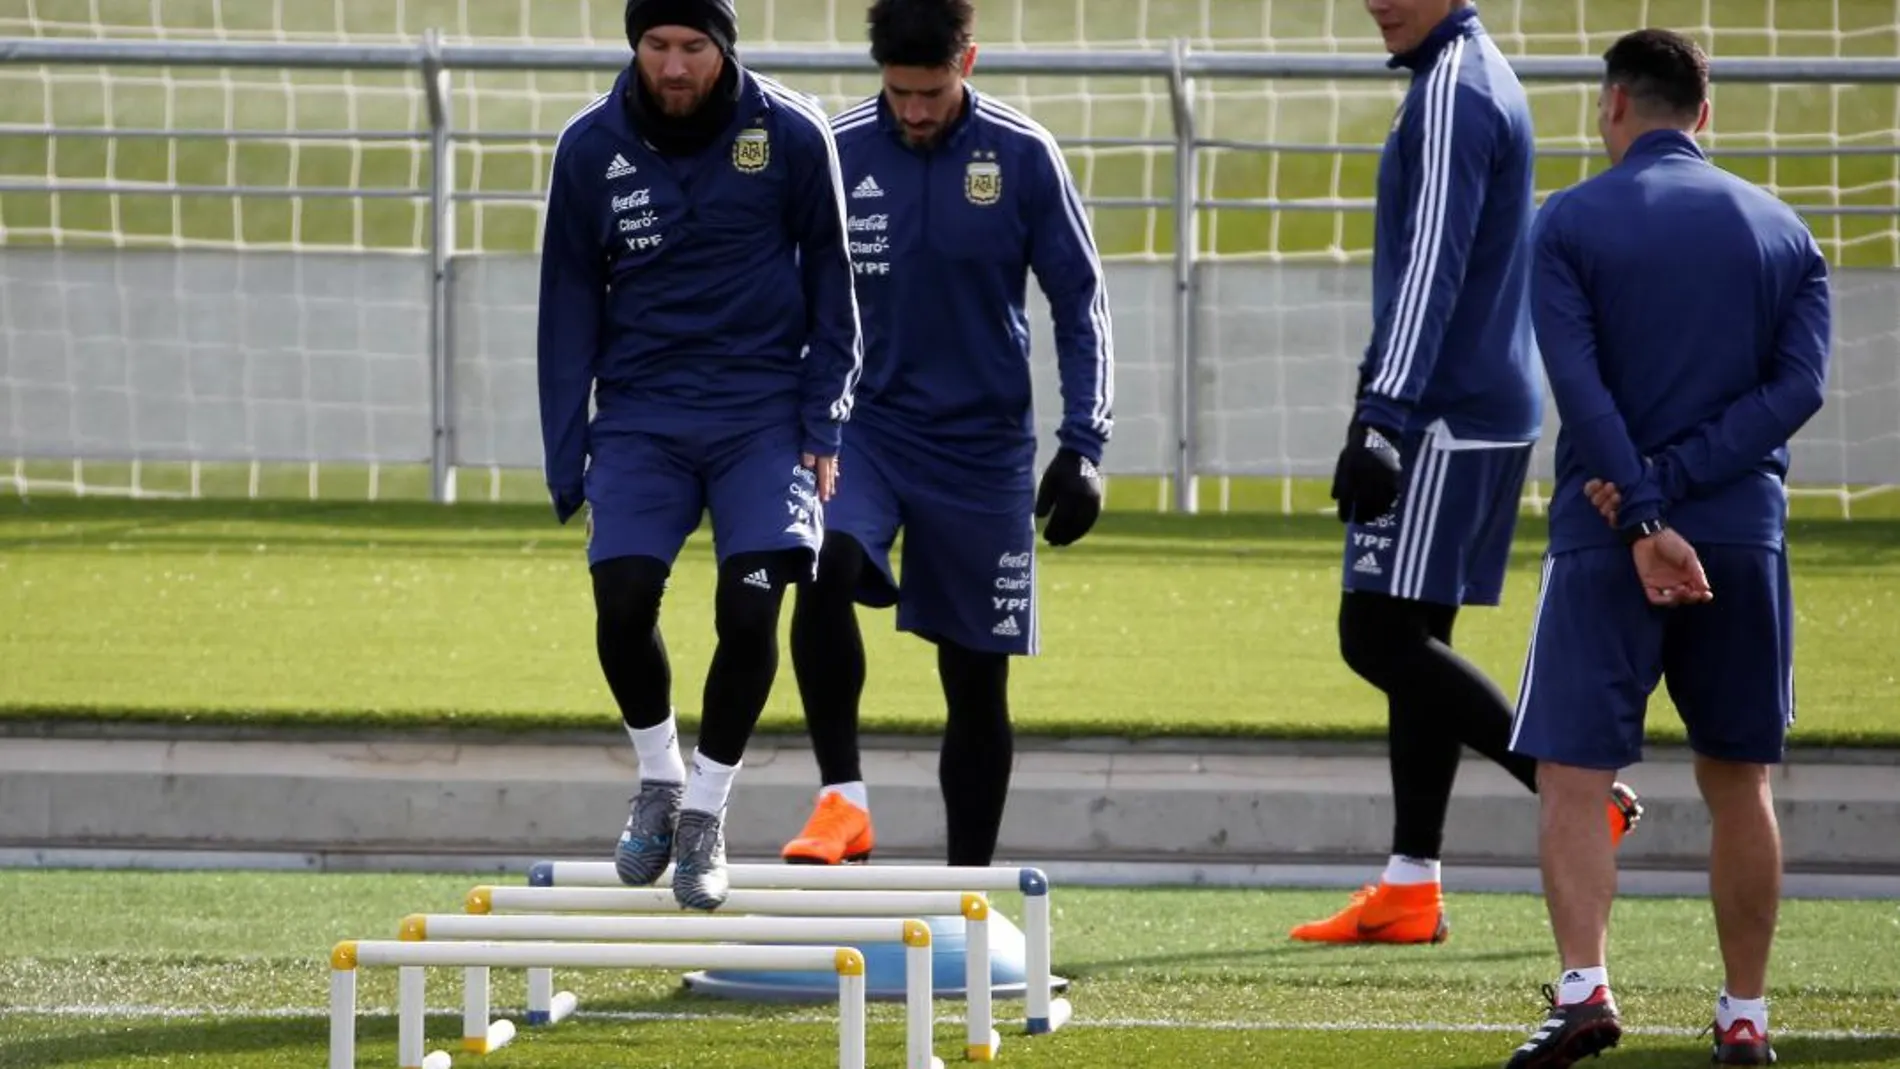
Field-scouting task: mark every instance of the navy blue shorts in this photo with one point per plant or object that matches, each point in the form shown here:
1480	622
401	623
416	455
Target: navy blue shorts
969	557
1448	540
1598	649
646	492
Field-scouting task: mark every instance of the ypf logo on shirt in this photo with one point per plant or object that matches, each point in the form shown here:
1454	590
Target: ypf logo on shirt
752	151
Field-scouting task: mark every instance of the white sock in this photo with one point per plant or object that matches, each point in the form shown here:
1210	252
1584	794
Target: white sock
1579	984
708	786
658	748
854	792
1409	870
1729	1009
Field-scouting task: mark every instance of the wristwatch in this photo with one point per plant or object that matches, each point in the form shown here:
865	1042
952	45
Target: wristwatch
1645	529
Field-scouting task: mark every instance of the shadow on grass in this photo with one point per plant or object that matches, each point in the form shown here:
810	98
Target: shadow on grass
265	1042
1869	1052
1290	955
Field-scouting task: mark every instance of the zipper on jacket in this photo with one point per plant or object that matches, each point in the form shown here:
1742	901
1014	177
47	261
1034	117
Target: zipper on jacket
930	193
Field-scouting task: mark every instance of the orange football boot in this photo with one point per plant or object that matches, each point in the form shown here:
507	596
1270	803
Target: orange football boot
1385	913
1415	913
838	831
1624	811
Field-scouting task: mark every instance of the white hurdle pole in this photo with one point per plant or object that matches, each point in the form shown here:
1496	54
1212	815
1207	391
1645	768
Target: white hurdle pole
410	957
1042	1012
983	1040
845	931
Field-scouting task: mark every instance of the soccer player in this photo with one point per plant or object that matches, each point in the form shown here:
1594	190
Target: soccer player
695	282
1439	441
955	199
1684	317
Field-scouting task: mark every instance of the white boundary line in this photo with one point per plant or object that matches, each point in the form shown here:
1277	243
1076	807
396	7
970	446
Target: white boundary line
112	1010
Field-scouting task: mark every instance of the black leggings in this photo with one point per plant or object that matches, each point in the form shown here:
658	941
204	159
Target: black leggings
1436	702
978	743
746	603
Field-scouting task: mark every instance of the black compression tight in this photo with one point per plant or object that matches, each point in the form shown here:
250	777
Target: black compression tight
627	592
978	751
828	658
973	768
1436	702
745	615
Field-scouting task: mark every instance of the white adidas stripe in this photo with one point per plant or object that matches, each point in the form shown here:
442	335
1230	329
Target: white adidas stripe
1419	518
855	116
1428	224
1528	678
1102	407
560	142
1414	581
797	104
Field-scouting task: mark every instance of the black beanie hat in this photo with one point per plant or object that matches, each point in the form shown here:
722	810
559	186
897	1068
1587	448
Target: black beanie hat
717	19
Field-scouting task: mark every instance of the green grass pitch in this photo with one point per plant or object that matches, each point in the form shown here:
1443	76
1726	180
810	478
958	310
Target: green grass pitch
416	615
1302	112
130	970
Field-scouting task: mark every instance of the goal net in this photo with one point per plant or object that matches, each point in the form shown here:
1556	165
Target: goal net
144	354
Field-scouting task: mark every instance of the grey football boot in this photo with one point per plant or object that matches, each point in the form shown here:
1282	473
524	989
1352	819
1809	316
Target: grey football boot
699	869
646	844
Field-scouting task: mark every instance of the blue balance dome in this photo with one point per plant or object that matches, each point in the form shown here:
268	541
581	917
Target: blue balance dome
884	970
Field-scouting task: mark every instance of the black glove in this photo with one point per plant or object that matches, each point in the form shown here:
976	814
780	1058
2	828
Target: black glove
1070	496
567	503
1367	478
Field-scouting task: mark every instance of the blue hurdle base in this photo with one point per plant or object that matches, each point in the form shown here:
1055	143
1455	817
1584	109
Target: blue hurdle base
884	970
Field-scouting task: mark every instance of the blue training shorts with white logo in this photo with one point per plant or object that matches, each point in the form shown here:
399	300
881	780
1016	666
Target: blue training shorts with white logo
1448	540
969	556
646	491
1598	649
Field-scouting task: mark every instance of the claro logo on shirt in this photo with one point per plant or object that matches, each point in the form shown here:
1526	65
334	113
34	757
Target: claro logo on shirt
869	238
637	229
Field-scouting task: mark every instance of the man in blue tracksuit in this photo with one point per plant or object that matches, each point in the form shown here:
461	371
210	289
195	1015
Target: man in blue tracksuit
954	201
696	287
1439	442
1684	319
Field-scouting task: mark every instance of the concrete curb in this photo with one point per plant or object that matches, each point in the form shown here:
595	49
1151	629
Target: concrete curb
1180	804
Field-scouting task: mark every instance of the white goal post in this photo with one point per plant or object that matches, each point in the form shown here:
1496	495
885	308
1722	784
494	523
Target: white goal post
266	249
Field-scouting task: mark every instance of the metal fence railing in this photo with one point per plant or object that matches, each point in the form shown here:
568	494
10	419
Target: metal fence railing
1178	68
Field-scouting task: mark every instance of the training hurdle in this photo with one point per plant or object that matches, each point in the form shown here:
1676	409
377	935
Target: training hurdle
1042	1012
546	1006
411	957
479	1033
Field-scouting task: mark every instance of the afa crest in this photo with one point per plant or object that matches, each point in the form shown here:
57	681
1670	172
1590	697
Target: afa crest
752	151
983	180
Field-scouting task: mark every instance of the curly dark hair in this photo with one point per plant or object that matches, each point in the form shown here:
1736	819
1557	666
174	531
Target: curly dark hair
920	33
1664	72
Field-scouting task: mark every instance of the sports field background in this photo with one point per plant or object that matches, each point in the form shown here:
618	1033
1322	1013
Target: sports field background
1295	112
413	615
410	615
